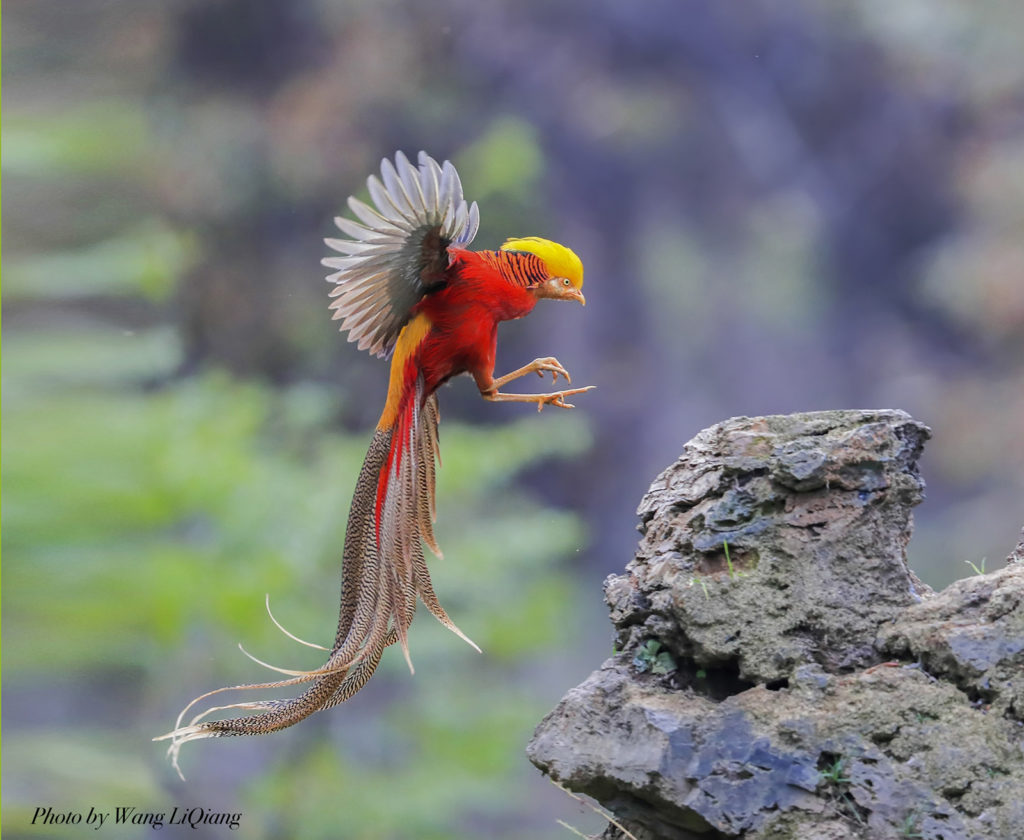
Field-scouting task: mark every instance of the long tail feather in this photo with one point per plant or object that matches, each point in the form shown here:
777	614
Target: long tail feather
384	572
290	635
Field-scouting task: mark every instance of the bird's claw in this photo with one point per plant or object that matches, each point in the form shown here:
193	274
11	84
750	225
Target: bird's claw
546	364
557	398
549	364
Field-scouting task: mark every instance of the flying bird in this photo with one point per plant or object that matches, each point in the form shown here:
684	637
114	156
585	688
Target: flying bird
407	287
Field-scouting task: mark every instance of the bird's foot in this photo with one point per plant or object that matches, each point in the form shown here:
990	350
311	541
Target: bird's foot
556	398
547	364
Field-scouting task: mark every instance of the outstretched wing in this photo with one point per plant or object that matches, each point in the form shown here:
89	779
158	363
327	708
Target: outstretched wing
398	250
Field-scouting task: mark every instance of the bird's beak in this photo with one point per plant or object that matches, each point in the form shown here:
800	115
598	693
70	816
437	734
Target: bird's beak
576	294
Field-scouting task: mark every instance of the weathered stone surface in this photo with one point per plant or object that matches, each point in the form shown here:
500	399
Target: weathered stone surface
1017	555
814	511
972	634
781	673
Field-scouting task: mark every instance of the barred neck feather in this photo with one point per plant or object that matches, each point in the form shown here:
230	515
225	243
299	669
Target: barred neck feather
558	260
516	267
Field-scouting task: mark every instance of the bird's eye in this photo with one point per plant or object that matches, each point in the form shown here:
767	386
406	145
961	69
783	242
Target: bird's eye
565	281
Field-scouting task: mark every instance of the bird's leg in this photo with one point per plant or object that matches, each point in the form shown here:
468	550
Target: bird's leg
489	388
554	398
549	364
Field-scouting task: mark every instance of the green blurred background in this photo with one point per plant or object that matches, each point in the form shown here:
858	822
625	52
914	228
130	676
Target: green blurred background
781	207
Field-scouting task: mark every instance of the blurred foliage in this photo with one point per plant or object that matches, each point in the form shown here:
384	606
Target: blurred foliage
147	260
67	143
505	161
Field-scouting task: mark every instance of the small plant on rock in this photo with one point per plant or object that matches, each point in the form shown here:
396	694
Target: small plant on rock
832	773
832	770
651	657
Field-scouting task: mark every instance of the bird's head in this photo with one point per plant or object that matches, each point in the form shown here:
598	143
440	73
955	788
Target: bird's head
565	271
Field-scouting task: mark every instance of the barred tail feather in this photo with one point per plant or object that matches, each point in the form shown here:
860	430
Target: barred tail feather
366	607
406	501
384	573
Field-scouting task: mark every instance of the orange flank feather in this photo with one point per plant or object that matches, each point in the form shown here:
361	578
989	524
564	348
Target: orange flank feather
401	414
403	367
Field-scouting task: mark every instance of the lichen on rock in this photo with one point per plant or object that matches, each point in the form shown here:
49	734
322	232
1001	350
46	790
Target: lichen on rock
818	689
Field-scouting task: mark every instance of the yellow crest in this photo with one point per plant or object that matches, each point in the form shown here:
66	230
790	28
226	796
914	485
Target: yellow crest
559	260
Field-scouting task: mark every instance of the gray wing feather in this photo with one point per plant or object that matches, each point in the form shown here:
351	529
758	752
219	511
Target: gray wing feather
393	248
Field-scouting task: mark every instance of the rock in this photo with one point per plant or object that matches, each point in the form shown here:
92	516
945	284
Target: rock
780	672
971	634
1017	555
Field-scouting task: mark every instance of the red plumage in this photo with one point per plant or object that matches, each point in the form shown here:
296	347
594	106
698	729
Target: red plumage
465	315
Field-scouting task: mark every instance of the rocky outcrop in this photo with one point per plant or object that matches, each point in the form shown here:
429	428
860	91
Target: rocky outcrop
780	672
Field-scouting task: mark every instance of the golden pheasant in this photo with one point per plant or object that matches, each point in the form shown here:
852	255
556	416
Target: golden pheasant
407	287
